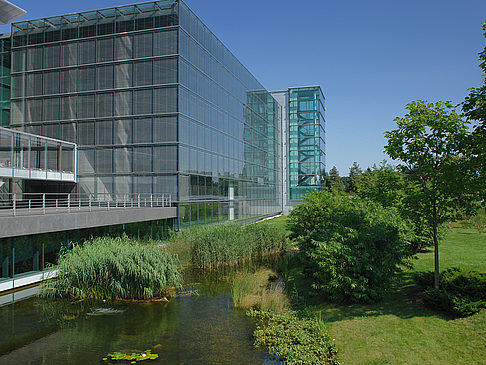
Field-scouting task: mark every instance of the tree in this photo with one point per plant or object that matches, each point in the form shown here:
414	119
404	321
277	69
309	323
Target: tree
382	184
335	183
352	248
474	109
354	175
429	140
390	187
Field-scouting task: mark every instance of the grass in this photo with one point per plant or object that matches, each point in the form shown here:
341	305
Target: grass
259	290
399	329
113	268
279	222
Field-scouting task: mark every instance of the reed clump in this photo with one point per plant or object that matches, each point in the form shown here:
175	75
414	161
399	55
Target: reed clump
229	244
261	290
113	268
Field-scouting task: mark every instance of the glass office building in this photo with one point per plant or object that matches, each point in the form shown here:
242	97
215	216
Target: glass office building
306	140
302	137
156	104
4	80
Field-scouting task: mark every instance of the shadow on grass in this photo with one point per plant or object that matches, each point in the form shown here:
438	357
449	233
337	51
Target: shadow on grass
402	301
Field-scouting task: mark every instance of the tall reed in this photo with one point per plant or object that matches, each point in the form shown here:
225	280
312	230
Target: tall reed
108	268
228	244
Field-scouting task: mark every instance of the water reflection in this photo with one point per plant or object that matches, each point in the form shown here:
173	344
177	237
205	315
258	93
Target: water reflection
202	329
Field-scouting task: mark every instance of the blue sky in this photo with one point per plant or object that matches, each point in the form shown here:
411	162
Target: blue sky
371	58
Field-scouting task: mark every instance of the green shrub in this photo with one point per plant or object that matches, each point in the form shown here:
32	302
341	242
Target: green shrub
294	340
352	247
227	244
462	293
477	221
108	268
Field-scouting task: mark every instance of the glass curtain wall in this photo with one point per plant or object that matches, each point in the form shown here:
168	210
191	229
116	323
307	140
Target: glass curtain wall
106	79
227	130
155	102
4	80
306	140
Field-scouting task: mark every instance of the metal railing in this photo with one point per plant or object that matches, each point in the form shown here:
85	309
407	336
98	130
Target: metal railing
12	204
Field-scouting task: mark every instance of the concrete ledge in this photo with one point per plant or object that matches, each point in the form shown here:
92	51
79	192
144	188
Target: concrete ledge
18	295
55	222
24	280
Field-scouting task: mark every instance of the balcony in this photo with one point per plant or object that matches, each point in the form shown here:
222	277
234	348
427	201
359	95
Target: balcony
28	156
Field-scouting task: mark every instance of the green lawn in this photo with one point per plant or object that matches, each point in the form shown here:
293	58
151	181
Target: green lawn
399	330
280	222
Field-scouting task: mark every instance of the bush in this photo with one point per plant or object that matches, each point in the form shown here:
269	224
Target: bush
109	268
462	293
352	247
294	340
477	221
227	244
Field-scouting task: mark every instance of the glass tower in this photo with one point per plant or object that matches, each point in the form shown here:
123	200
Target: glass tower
156	104
4	80
306	140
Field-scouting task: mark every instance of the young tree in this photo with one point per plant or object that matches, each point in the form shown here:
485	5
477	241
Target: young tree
429	140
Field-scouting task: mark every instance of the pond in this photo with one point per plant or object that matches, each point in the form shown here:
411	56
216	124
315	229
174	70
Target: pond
191	329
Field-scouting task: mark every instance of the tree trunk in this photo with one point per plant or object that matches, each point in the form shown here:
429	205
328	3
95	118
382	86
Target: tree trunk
436	248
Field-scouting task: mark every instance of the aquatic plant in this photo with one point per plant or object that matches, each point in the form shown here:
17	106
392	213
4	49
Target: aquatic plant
294	340
132	358
228	244
112	268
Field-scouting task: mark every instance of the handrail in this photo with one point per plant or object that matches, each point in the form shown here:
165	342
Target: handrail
13	204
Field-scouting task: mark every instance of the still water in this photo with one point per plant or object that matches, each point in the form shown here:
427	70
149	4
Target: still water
192	329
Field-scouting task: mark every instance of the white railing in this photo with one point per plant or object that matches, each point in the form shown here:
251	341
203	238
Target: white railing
12	204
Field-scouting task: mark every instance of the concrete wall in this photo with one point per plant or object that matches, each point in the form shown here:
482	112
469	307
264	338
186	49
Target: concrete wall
54	222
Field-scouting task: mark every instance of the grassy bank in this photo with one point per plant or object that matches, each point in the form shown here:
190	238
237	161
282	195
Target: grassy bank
399	329
260	289
291	337
113	268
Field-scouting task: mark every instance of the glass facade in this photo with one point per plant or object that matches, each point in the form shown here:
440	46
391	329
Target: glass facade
228	132
156	104
306	140
106	80
4	80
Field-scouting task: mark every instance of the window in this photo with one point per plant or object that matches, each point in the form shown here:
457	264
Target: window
104	77
165	100
104	50
104	105
142	73
142	130
165	71
123	47
142	45
123	103
142	102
